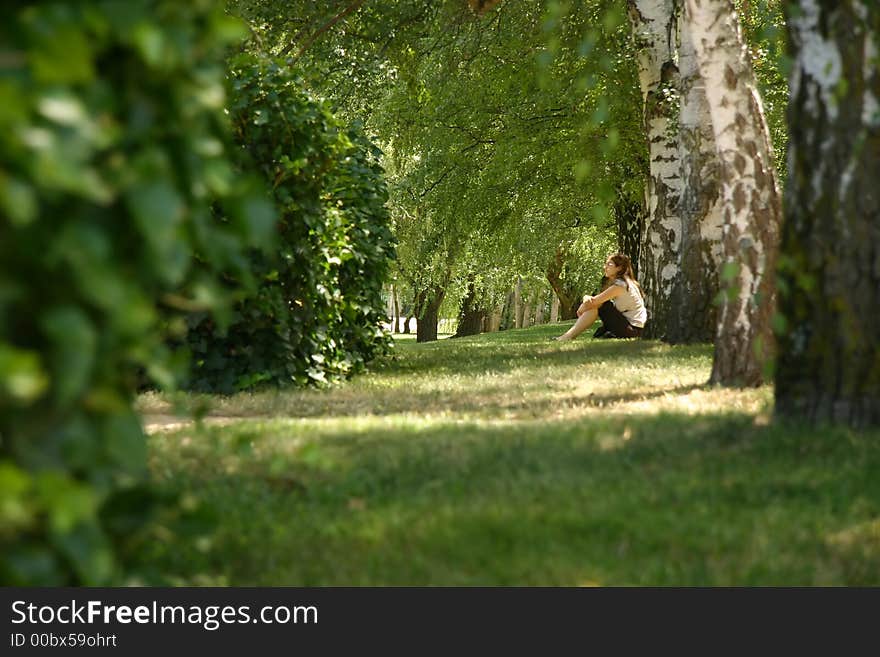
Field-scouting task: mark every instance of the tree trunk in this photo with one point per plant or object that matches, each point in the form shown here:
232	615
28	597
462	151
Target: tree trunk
569	299
630	217
528	303
396	318
750	196
426	328
517	303
507	308
693	311
654	27
554	309
829	361
492	321
470	317
418	302
539	307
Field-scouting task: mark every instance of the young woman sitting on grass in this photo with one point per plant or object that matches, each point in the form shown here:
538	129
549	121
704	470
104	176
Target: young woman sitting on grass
620	304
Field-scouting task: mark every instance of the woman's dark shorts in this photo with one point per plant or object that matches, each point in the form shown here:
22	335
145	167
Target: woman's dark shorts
614	324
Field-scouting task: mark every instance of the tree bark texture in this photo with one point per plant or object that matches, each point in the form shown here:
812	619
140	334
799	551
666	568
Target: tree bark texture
750	196
654	29
829	362
693	310
630	218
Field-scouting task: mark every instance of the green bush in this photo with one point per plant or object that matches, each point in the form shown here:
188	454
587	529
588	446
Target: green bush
318	310
114	157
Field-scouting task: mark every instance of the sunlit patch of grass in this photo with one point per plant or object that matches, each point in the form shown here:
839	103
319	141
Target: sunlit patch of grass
504	459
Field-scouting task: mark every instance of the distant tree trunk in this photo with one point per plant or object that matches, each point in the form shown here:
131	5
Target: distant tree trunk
470	316
426	328
507	308
418	302
492	321
569	299
554	309
693	310
517	303
630	217
654	27
829	358
541	301
528	303
396	318
752	208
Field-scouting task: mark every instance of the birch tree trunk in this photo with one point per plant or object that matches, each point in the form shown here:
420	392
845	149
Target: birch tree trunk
750	196
829	364
693	313
654	26
630	217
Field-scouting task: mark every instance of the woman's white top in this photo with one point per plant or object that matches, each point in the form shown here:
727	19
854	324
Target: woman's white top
630	304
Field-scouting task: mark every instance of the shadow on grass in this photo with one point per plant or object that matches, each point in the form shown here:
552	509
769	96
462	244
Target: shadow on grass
494	353
669	500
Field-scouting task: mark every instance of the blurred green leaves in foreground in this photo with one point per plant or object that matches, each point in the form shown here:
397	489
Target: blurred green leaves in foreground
115	170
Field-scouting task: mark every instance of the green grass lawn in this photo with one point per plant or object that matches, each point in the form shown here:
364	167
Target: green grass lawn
505	459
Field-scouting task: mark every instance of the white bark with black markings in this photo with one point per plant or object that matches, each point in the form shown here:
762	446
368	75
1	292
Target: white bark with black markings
750	195
654	25
693	315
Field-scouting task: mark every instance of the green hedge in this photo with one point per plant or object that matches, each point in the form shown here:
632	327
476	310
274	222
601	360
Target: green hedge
114	166
318	311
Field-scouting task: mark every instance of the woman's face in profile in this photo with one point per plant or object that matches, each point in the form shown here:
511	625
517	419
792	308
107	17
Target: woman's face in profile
610	269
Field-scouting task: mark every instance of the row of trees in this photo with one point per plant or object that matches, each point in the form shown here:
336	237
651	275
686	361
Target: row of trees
507	129
484	147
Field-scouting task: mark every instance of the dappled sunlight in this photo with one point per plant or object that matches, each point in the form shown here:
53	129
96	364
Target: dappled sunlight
439	499
493	377
475	462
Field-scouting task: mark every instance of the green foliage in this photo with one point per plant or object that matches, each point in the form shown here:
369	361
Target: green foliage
764	28
505	135
317	312
113	148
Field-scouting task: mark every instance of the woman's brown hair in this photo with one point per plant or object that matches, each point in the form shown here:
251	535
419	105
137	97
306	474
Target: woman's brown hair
624	271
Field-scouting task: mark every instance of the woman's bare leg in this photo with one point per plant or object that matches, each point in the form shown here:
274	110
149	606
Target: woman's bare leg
582	324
